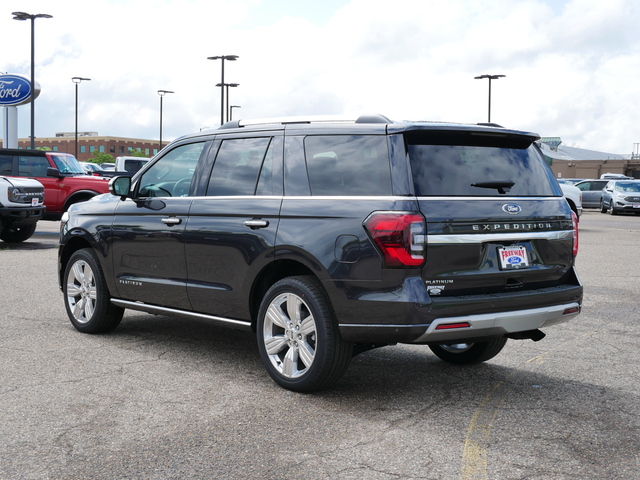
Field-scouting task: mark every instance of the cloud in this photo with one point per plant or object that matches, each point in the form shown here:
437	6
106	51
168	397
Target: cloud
570	66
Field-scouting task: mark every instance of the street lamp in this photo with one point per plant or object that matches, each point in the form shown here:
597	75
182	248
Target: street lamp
162	94
490	77
231	111
227	85
221	84
28	16
77	81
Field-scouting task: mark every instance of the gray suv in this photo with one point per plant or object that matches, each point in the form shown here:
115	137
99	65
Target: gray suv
621	196
328	238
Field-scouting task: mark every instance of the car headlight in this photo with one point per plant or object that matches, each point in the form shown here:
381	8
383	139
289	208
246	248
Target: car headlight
14	194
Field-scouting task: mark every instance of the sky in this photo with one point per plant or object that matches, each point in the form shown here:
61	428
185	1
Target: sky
572	67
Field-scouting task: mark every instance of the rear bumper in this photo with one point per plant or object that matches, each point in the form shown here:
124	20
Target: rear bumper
492	315
444	330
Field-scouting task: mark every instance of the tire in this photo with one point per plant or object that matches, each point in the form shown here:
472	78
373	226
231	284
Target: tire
298	336
87	298
469	353
612	209
17	234
603	209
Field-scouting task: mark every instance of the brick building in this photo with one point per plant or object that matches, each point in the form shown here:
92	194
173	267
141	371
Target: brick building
90	142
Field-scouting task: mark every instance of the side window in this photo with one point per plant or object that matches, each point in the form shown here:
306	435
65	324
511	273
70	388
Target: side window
32	166
5	164
348	165
238	166
171	175
584	186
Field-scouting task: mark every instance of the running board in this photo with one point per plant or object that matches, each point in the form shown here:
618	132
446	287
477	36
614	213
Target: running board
155	309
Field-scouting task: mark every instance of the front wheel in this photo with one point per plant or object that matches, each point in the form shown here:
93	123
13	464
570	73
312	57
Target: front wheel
17	234
469	353
603	207
612	208
87	299
298	336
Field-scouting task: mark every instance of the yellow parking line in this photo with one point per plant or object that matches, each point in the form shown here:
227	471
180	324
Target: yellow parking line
474	456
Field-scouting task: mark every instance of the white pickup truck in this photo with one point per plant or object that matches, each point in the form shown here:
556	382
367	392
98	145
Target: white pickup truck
21	206
573	195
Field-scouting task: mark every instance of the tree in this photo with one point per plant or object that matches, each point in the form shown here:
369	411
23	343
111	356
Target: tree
101	158
137	152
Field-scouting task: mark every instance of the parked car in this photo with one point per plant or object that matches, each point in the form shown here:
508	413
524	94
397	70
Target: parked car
327	239
615	176
108	166
92	168
620	196
130	164
570	181
591	192
21	206
573	196
65	181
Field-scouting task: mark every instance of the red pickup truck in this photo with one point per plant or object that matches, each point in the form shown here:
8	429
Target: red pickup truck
65	182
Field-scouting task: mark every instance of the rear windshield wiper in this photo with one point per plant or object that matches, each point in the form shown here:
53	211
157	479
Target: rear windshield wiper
503	186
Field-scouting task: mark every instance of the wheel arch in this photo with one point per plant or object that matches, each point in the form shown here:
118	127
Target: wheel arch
73	244
79	196
272	273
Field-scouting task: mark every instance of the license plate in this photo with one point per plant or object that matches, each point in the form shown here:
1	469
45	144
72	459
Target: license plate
635	205
513	257
34	202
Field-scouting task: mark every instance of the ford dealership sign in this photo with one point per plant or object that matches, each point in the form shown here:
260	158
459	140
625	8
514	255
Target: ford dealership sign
16	90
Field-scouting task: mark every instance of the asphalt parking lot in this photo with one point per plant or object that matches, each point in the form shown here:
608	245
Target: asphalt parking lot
161	398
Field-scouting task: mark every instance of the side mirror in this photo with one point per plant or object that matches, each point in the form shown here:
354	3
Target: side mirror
53	172
120	186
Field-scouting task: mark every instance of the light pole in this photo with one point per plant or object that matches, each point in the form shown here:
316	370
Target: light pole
162	94
221	84
77	81
28	16
227	85
231	111
490	77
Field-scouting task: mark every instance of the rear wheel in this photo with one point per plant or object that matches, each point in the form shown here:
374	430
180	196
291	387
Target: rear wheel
17	234
298	336
87	299
469	353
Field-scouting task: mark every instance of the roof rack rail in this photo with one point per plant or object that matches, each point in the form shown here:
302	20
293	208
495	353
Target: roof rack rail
490	124
367	118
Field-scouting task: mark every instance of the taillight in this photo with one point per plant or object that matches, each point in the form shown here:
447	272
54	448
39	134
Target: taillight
401	237
574	217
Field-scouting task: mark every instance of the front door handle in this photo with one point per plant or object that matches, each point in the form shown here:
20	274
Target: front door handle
256	223
172	221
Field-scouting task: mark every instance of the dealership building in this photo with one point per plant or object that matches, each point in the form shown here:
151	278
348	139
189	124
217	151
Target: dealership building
572	162
90	143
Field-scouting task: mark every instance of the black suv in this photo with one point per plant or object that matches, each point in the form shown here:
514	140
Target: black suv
330	238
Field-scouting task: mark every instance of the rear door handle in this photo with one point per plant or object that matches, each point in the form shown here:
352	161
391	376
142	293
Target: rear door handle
172	221
256	223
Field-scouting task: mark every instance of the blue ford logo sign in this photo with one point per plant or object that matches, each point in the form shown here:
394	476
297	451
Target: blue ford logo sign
511	208
15	90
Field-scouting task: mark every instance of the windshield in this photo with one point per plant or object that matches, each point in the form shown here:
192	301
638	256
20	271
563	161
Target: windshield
68	164
470	167
628	187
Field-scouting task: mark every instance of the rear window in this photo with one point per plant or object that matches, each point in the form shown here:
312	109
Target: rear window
477	165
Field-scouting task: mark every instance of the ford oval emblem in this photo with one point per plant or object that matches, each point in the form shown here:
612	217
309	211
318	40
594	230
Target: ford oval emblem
511	208
16	90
